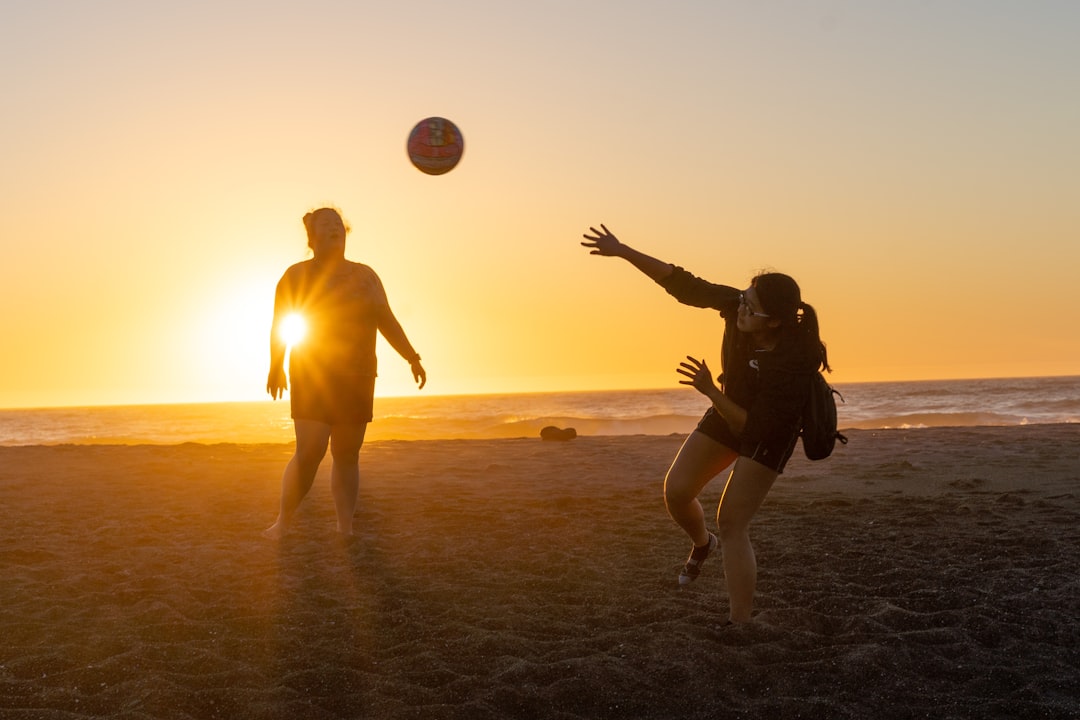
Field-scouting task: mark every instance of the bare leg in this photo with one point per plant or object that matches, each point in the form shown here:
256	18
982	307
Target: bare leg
746	489
699	460
345	443
311	440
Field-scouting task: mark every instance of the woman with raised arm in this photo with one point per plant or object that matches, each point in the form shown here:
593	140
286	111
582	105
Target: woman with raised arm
332	370
771	348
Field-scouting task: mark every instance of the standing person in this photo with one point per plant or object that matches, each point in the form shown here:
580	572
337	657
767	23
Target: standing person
342	304
770	351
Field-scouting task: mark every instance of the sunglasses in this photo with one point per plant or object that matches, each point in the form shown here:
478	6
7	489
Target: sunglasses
743	301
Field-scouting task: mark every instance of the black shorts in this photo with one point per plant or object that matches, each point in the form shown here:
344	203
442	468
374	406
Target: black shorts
334	398
772	452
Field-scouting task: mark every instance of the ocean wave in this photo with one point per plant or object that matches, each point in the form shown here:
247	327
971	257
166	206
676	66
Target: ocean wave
524	427
951	419
519	427
870	406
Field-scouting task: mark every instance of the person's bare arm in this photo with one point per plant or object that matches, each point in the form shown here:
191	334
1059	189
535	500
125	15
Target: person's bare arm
276	382
391	330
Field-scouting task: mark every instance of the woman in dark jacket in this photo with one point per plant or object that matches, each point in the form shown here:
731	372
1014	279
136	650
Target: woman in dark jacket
771	349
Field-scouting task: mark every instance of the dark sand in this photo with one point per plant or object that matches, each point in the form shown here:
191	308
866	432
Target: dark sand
916	574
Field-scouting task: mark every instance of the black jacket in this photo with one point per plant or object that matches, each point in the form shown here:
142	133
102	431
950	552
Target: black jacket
771	385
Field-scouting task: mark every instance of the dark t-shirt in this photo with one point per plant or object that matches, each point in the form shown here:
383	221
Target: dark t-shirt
342	308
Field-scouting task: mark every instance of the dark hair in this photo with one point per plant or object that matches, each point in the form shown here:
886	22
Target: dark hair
781	299
309	222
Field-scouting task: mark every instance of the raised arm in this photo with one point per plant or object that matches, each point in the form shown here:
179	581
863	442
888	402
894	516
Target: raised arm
683	286
603	242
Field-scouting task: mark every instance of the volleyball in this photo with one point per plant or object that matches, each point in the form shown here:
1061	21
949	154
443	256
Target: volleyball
435	146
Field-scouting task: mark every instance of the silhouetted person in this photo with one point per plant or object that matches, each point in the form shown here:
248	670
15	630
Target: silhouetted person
332	370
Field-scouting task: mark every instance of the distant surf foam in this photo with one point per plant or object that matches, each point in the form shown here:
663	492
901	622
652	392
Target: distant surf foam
636	412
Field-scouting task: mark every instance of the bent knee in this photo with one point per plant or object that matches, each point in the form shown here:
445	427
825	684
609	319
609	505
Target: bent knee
677	491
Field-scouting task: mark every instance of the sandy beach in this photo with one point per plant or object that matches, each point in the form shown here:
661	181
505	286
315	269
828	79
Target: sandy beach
929	573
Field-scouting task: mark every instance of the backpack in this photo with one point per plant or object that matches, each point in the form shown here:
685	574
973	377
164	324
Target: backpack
819	433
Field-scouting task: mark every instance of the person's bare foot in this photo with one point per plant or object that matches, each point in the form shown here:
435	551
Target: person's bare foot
275	531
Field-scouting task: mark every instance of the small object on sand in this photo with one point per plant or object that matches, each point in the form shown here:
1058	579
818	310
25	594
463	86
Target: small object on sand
553	433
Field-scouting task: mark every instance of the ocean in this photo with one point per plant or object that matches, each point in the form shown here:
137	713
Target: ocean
1019	401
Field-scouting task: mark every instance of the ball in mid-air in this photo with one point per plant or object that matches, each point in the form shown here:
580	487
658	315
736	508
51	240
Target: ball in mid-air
435	145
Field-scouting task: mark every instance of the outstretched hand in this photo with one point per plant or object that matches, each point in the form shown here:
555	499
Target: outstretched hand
602	242
700	377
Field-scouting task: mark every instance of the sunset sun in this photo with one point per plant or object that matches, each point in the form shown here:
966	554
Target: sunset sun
293	328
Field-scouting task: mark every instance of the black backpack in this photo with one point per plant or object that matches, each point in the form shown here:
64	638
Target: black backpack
819	433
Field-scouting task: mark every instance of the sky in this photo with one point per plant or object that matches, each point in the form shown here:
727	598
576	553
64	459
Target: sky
914	165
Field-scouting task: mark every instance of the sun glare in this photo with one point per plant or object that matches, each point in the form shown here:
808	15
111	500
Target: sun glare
293	328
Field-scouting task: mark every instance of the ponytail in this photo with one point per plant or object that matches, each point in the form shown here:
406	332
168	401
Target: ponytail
810	335
781	298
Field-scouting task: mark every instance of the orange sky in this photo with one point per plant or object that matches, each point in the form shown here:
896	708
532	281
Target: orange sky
915	168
